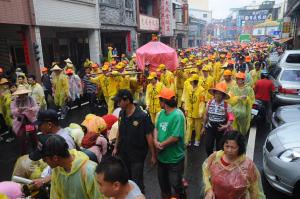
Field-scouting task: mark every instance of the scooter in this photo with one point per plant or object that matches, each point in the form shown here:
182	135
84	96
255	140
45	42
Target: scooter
258	113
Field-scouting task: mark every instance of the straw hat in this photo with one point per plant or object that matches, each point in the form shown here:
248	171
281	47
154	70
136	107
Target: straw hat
221	88
68	61
3	81
56	68
21	90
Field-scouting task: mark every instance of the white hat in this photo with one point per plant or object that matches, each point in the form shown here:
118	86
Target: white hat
68	61
21	90
56	67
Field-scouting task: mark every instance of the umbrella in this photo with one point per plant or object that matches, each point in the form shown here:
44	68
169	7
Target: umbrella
156	53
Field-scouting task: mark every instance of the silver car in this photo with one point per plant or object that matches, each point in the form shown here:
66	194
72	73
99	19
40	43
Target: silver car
287	84
281	158
285	114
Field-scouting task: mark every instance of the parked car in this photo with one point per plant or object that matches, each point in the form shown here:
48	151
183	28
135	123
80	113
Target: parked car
281	159
285	114
286	78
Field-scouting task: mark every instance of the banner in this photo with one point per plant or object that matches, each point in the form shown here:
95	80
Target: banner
166	18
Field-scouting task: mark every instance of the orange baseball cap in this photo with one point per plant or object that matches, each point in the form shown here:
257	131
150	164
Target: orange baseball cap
240	75
227	73
95	65
167	93
69	71
44	69
248	59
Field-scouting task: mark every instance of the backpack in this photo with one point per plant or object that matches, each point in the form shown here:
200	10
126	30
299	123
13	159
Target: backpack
89	140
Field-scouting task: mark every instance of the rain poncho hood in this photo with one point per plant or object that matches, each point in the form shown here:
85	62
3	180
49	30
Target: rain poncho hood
79	183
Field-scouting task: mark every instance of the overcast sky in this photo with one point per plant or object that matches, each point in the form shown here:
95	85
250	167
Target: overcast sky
221	8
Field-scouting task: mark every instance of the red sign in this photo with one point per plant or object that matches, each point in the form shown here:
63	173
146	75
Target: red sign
26	49
128	42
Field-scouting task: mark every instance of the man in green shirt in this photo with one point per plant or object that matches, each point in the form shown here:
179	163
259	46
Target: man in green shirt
169	141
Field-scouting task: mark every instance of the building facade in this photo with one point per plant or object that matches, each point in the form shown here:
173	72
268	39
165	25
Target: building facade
67	29
196	32
118	26
292	21
147	20
17	36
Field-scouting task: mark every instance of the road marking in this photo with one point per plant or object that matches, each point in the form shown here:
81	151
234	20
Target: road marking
251	143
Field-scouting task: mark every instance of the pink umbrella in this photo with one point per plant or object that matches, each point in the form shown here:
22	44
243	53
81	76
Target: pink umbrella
156	53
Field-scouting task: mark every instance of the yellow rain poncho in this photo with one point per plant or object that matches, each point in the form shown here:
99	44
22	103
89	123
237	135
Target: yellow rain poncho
255	76
241	108
180	77
26	168
168	80
37	93
5	101
94	123
60	85
152	100
207	83
237	180
194	106
109	87
80	182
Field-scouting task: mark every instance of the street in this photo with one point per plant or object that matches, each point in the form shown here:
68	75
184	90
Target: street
196	156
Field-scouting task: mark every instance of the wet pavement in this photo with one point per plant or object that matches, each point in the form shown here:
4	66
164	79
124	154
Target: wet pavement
195	158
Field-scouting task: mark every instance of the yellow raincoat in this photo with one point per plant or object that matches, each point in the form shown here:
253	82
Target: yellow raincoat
152	100
255	76
168	80
194	106
217	71
180	77
60	85
80	182
241	108
37	93
5	101
109	87
207	83
26	168
229	85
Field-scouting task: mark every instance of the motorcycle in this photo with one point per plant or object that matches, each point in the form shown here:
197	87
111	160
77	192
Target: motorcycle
258	113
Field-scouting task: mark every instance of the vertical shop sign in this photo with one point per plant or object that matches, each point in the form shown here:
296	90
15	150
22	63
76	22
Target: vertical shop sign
166	18
26	49
128	42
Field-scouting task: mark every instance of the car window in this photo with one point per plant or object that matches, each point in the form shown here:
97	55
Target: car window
290	75
293	58
275	72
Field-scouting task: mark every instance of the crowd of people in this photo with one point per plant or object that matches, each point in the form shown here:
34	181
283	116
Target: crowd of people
209	96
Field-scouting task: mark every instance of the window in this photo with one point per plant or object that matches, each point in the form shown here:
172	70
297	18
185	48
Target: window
275	72
129	4
293	59
291	75
205	15
109	2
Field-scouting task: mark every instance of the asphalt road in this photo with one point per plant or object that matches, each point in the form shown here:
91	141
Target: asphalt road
195	158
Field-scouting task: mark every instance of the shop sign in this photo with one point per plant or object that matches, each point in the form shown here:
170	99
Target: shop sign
128	42
166	17
254	16
149	23
26	48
